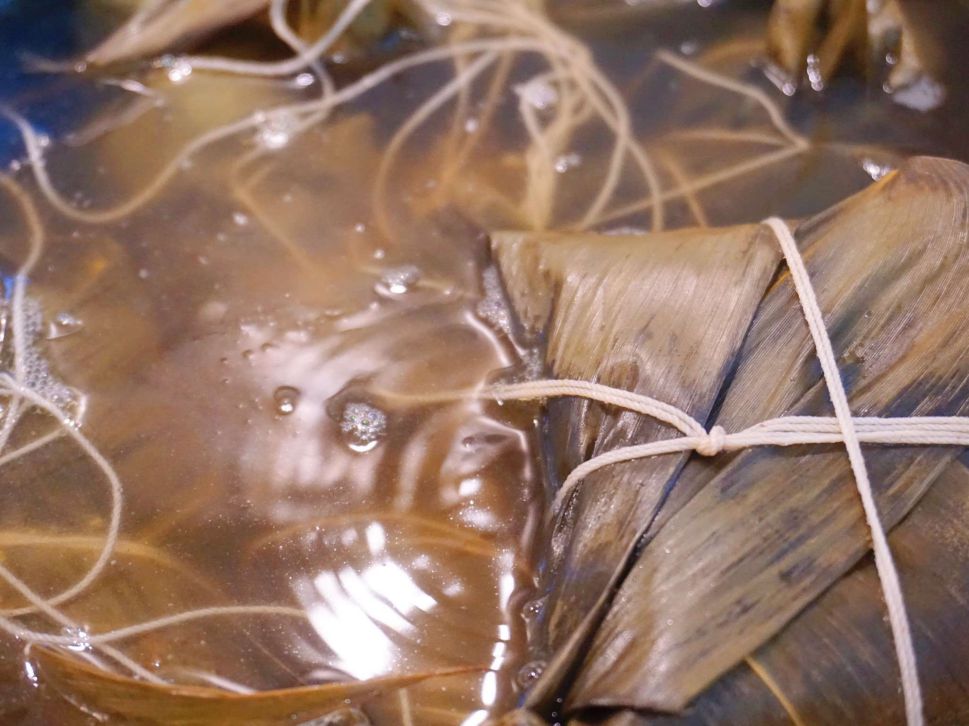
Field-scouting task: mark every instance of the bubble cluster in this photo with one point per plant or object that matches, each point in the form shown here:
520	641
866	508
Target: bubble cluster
492	307
178	69
567	161
79	637
364	425
538	94
275	130
36	370
62	325
875	170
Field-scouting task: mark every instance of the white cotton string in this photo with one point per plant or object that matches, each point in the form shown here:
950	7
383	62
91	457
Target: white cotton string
884	563
532	390
305	55
782	431
117	498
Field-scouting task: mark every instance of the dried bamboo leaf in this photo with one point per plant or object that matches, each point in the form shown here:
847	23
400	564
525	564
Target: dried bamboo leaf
668	313
766	531
144	702
160	25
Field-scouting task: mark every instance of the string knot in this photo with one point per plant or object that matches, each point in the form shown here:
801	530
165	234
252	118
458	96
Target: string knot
713	443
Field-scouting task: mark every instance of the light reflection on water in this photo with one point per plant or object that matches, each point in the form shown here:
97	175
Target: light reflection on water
408	550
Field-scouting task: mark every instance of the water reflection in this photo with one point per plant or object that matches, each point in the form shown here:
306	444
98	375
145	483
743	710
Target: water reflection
400	593
242	353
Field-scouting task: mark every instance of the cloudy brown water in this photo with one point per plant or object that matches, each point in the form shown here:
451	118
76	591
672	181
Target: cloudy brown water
269	354
229	342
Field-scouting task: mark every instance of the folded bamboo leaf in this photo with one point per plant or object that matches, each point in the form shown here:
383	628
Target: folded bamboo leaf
160	26
834	663
144	702
746	542
662	315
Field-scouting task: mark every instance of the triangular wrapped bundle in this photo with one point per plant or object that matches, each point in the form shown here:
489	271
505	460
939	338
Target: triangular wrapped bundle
728	587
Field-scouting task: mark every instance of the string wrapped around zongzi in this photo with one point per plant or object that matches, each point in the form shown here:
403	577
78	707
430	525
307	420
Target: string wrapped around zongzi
745	572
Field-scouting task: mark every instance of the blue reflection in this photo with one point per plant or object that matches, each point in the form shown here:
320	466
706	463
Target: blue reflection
40	29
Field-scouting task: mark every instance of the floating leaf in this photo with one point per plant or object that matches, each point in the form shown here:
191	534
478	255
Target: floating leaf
198	706
161	25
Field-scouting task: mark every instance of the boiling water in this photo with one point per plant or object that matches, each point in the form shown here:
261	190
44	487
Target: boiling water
274	354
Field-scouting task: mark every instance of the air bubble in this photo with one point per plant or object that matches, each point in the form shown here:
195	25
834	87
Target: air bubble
492	307
364	426
624	230
304	80
567	161
31	674
532	609
538	94
689	47
179	69
286	398
348	716
529	673
875	170
241	219
398	280
814	73
275	130
62	325
80	639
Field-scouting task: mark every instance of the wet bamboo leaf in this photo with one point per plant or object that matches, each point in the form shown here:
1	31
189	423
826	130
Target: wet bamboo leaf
144	702
160	25
662	315
835	663
766	531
